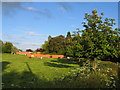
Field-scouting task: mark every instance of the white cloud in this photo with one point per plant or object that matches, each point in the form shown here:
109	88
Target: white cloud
31	8
32	33
44	12
61	8
27	45
36	34
73	26
64	6
25	41
10	8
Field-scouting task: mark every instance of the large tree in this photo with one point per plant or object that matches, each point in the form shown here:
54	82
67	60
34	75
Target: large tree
7	47
99	39
56	45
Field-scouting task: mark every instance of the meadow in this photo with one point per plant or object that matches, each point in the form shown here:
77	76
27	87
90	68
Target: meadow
19	71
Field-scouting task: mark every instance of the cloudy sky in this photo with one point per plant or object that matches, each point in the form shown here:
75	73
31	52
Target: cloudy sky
27	25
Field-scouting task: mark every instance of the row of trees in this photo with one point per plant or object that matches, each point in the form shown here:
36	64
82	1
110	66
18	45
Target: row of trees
98	40
7	47
37	50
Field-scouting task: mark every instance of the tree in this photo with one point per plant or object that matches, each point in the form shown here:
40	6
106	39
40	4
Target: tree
14	49
7	47
39	50
49	37
98	38
69	48
1	43
45	46
56	45
73	47
20	50
29	50
68	35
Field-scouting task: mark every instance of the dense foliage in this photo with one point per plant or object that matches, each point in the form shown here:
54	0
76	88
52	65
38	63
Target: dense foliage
39	50
1	43
29	50
102	40
7	47
98	40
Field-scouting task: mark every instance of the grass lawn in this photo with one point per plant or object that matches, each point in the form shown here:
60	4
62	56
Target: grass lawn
19	71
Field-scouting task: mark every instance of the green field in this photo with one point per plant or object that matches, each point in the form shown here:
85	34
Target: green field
20	71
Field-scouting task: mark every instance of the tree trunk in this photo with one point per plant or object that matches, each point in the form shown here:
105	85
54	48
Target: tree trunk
79	59
95	63
88	60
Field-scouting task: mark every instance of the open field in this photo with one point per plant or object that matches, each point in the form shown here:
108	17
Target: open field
45	68
20	71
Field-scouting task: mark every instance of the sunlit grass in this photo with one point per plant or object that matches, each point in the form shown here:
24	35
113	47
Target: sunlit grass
39	67
23	72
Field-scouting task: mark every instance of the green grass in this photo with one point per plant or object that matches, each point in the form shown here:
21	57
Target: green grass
19	71
47	68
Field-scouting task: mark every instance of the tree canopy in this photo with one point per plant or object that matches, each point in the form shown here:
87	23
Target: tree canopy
98	39
7	47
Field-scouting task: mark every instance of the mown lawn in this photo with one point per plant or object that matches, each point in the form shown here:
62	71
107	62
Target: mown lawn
19	68
19	71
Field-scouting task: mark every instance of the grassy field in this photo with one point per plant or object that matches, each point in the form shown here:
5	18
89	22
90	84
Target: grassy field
19	71
17	68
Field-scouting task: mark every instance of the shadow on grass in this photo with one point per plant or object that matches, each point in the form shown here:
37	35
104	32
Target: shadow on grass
65	61
56	65
69	61
4	65
28	67
29	80
23	80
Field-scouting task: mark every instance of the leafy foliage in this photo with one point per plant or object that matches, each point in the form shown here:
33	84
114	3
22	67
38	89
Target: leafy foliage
7	47
98	40
39	50
14	49
1	43
29	50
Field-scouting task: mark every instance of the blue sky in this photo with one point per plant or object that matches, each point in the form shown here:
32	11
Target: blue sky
27	25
